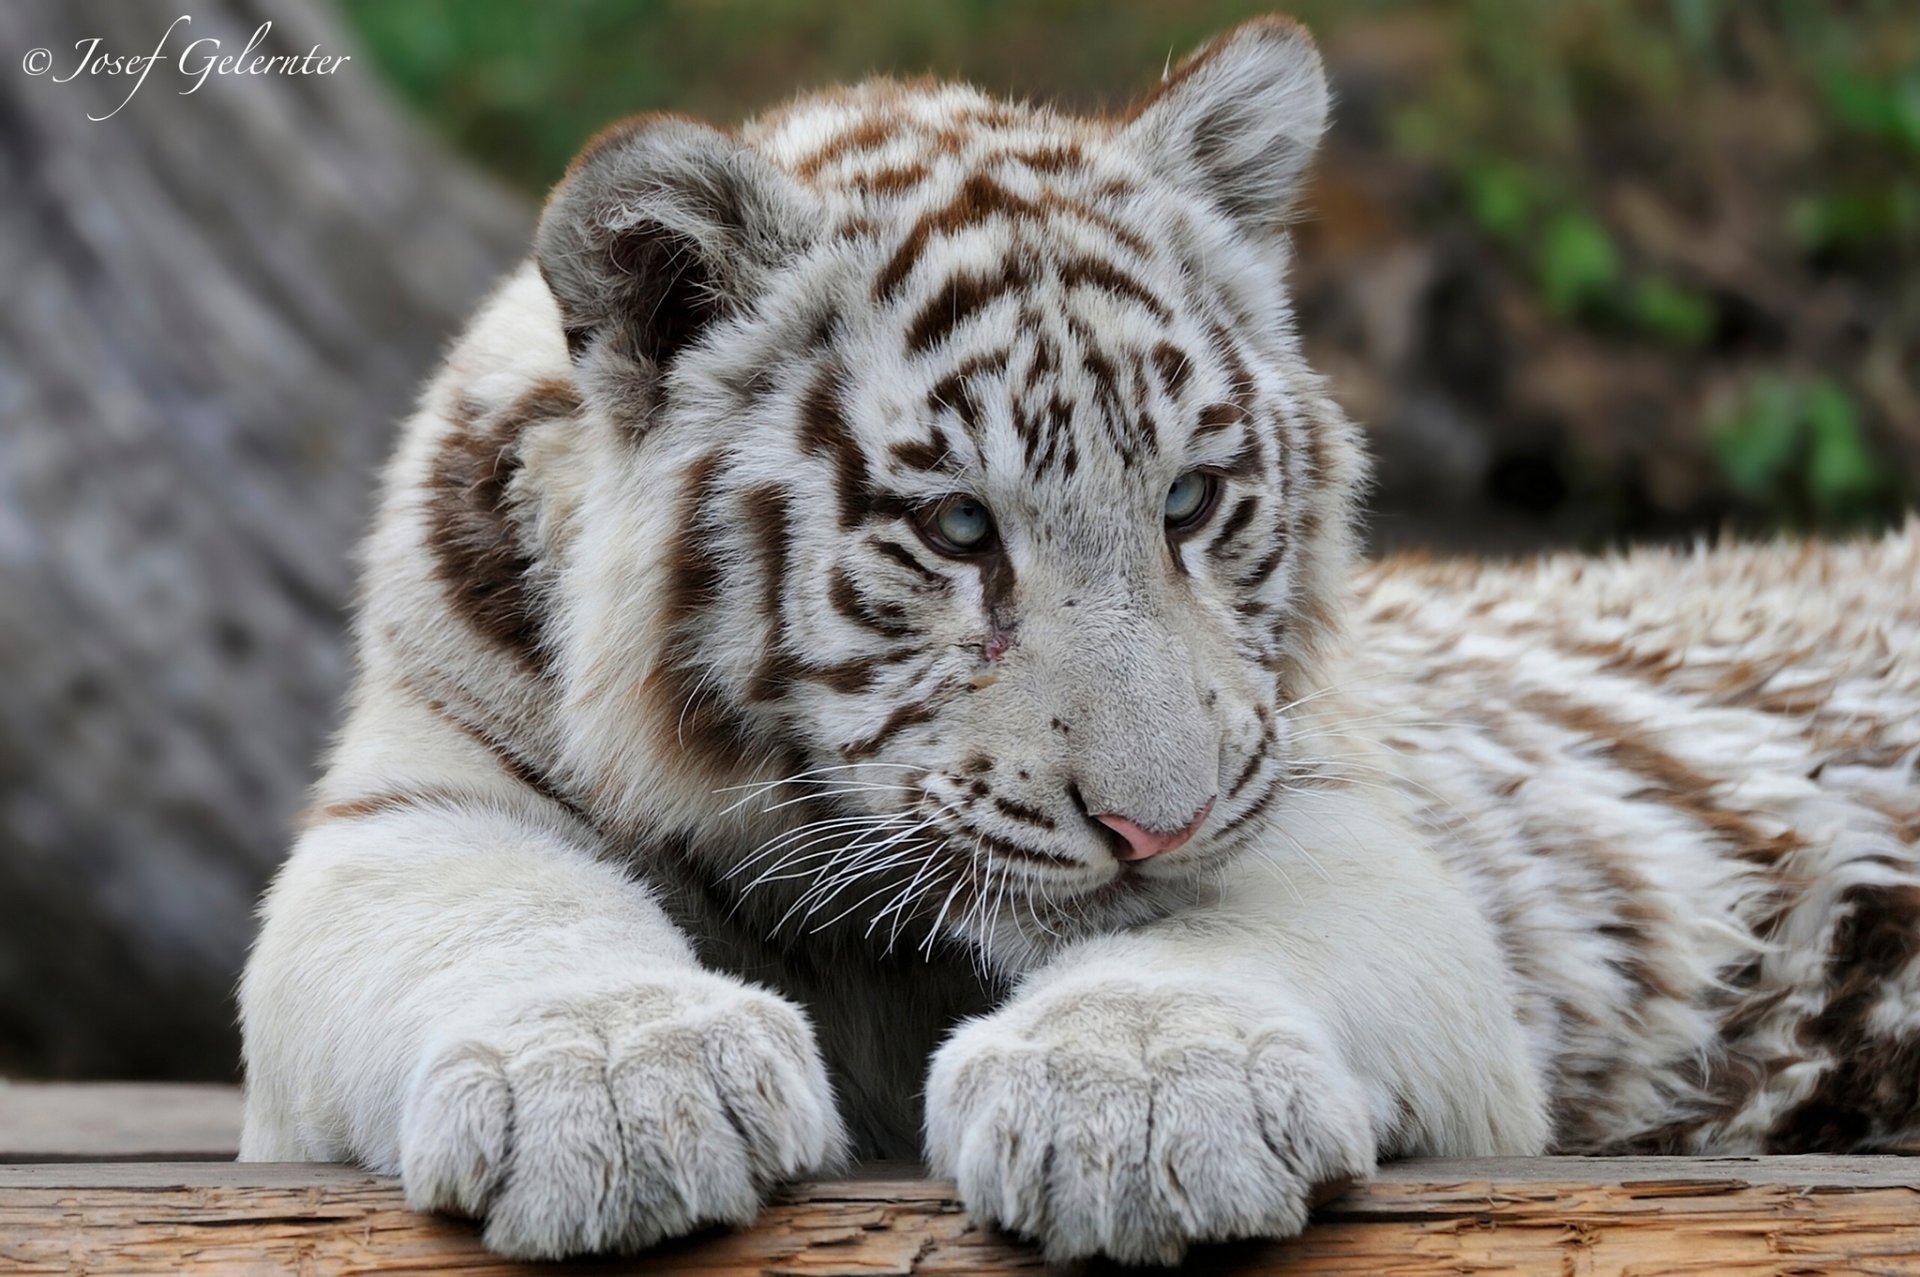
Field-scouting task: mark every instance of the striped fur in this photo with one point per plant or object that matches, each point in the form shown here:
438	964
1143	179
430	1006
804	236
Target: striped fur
671	714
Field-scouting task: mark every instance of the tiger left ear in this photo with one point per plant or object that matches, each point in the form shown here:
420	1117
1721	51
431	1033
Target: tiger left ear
1240	119
661	228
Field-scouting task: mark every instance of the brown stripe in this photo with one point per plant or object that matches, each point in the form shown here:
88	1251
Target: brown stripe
979	199
823	431
483	564
904	557
1098	273
1668	779
899	720
1050	159
508	759
954	392
891	181
390	800
1868	1093
870	134
690	717
883	616
768	507
960	298
1216	417
859	674
1232	526
1173	368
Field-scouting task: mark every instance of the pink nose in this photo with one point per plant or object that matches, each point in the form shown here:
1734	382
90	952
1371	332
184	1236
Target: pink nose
1144	843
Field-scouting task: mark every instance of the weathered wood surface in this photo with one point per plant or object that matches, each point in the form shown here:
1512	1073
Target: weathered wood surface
121	1121
1550	1215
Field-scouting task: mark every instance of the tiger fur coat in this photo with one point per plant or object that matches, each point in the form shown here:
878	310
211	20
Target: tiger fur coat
862	653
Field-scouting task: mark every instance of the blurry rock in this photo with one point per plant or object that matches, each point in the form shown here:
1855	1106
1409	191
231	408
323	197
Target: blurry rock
216	306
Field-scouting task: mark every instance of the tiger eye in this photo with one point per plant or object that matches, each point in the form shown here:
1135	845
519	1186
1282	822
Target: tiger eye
1190	499
957	525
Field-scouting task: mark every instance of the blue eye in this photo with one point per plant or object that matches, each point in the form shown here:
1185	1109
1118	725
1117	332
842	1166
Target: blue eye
1190	499
957	525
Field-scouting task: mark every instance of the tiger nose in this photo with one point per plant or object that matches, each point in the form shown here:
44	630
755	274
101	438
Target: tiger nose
1143	843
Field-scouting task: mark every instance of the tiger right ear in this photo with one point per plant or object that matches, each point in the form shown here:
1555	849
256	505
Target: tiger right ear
1239	120
660	228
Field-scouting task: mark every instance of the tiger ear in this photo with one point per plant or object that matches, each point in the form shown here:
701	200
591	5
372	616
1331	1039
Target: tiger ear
1239	120
660	228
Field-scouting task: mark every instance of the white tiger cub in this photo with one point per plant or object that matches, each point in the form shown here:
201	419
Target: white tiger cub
860	655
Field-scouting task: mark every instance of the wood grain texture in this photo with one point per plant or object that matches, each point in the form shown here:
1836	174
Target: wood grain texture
52	1122
1548	1215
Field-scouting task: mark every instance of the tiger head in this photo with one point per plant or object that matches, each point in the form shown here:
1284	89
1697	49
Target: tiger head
969	501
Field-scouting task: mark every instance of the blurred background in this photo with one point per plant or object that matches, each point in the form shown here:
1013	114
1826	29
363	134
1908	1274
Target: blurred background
1590	272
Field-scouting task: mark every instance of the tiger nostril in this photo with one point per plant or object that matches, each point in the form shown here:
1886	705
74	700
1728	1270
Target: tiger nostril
1116	842
1079	799
1136	842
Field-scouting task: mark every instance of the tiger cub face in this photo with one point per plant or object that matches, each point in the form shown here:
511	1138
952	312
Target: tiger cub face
978	479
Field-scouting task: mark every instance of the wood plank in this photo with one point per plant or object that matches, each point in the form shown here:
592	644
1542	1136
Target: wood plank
100	1121
1744	1216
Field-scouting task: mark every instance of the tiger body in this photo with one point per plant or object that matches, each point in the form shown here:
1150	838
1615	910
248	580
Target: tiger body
695	795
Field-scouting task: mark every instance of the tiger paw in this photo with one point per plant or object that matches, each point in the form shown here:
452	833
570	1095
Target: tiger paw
608	1120
1131	1119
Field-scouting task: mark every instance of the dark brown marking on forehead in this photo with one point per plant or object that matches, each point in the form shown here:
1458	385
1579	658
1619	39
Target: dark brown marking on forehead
1050	159
1239	377
823	431
981	198
1247	460
1173	367
1044	360
959	298
954	391
932	455
870	134
1110	402
892	180
978	199
1102	275
1216	417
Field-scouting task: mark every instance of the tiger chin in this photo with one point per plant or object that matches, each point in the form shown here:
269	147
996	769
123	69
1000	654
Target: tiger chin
861	654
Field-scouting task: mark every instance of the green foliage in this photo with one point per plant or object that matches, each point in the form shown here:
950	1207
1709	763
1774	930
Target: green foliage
1797	445
1576	264
1676	315
1887	110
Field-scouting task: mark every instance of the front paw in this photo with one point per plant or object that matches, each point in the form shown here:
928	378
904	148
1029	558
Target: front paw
609	1119
1130	1119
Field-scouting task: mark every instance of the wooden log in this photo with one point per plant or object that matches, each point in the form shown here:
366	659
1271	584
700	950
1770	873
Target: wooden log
1746	1216
120	1121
